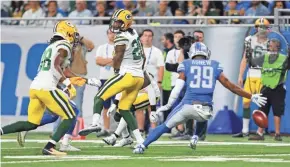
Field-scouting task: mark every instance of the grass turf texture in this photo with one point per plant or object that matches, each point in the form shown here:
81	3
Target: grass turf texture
228	152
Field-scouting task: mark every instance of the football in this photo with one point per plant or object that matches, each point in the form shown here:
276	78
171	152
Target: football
260	118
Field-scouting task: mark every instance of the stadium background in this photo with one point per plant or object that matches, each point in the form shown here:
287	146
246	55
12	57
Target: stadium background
22	47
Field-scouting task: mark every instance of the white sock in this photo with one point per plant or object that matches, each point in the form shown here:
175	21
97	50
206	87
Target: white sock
138	136
66	139
96	118
260	134
125	133
246	124
121	127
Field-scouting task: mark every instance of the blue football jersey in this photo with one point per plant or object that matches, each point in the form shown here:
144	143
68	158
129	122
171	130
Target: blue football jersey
201	76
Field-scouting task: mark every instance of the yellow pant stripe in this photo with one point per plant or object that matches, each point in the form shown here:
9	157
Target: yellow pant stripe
142	105
109	84
67	103
61	103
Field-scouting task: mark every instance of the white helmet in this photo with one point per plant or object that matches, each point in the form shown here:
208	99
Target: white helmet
199	48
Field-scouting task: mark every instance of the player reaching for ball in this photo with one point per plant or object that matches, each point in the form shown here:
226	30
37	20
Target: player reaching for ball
199	75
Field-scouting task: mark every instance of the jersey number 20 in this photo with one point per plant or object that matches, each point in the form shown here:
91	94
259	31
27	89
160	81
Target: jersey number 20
137	50
203	76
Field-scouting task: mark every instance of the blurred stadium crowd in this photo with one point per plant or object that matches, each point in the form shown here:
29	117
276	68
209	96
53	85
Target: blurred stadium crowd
80	8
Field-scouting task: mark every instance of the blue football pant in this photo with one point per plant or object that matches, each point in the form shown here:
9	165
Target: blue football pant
49	117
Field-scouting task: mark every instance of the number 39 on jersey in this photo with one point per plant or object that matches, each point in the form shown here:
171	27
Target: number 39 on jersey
201	75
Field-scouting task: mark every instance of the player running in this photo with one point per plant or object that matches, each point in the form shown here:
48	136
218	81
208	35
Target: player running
128	64
147	97
43	89
50	117
256	47
198	75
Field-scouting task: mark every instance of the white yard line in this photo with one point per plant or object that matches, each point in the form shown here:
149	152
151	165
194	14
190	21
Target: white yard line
162	142
42	159
224	159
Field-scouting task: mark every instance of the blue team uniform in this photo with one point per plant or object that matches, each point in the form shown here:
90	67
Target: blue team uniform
49	117
201	77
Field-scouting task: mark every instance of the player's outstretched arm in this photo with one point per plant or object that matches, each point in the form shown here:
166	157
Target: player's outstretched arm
174	93
118	58
232	87
256	98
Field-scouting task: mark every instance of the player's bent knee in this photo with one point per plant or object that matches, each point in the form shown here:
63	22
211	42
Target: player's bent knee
117	117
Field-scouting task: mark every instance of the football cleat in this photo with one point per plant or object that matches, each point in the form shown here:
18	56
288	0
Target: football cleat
21	138
111	140
139	149
241	134
103	133
90	129
256	137
53	151
124	142
278	137
193	142
68	148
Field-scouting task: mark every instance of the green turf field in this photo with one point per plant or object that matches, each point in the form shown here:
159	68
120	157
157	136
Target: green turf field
216	151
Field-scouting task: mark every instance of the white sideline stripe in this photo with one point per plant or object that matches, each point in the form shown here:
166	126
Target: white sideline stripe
223	159
162	142
100	157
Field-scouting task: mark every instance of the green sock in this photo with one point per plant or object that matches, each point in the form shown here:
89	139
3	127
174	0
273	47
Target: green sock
18	127
98	105
128	117
247	113
62	129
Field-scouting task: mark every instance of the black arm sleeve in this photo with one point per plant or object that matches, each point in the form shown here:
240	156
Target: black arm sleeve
171	67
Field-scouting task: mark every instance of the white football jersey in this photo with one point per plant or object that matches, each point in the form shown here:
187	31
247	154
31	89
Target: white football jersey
133	60
48	77
259	49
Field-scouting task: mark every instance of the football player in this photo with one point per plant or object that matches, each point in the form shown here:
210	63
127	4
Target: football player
43	89
199	75
50	117
147	97
128	64
256	46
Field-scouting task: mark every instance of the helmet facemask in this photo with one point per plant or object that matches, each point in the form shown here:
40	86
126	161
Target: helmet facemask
116	25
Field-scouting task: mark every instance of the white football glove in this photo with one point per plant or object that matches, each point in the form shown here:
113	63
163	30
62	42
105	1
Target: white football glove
111	110
94	82
163	108
153	117
259	99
